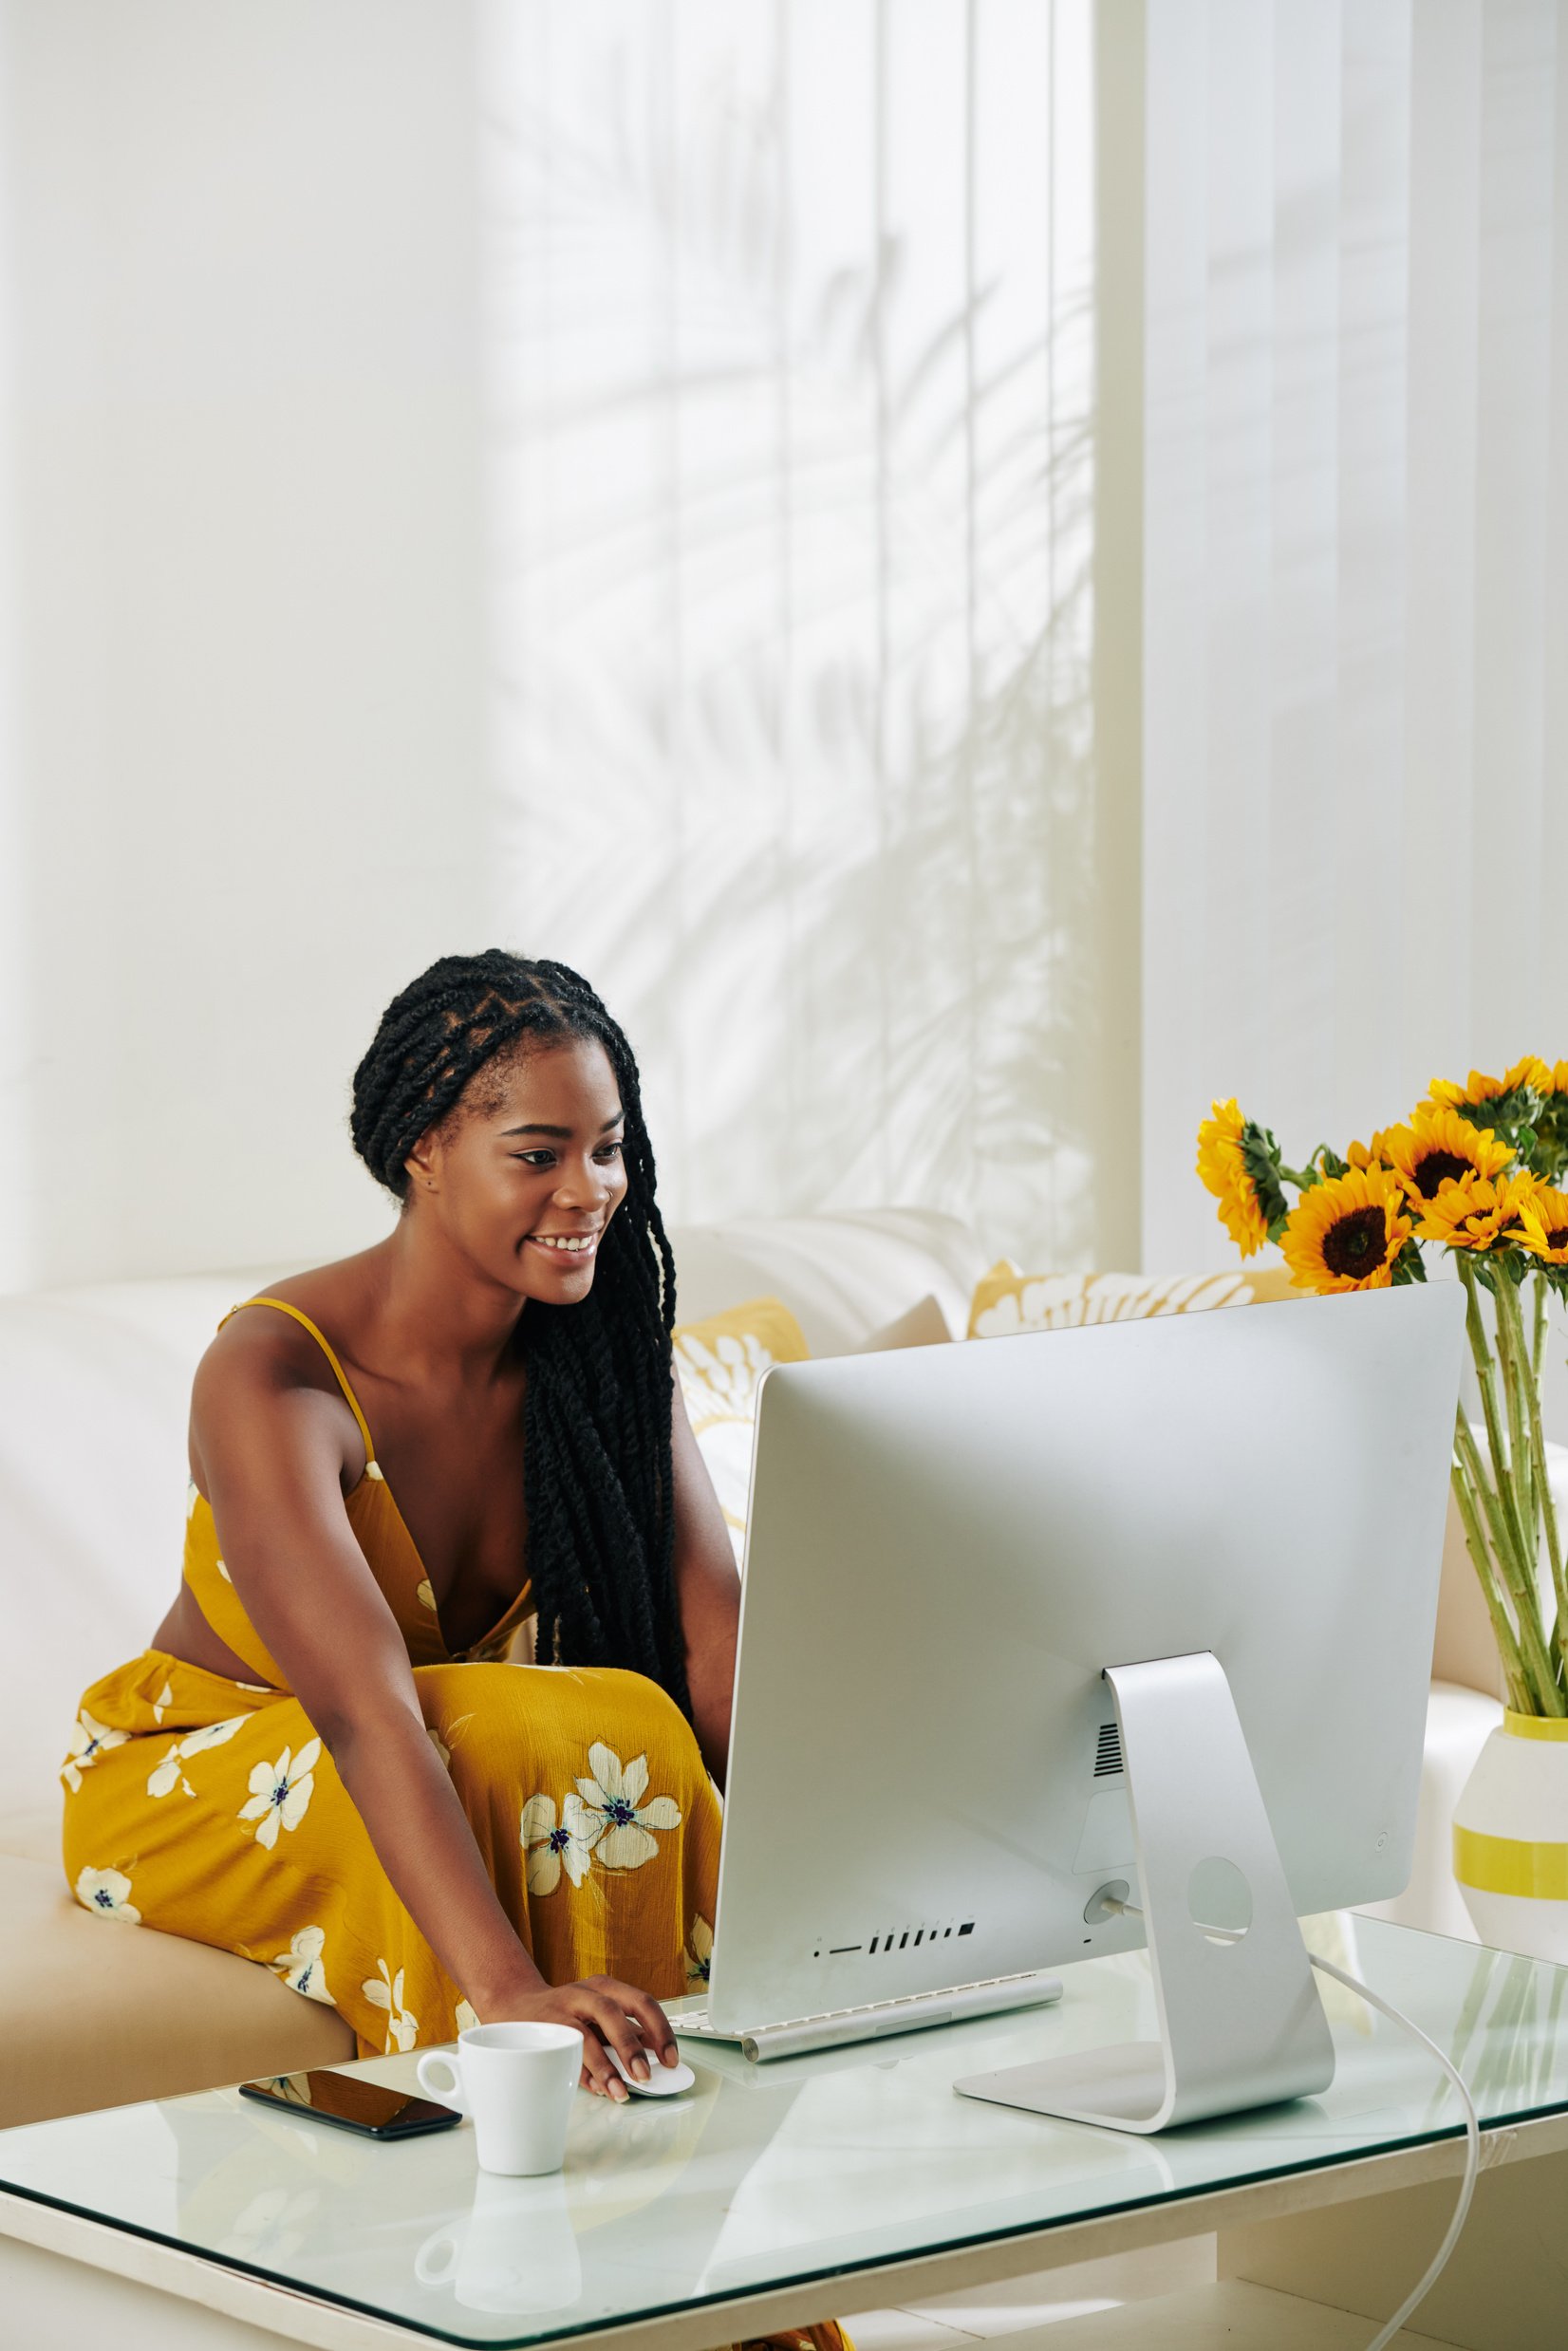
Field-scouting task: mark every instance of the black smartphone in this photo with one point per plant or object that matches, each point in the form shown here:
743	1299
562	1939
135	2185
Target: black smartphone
349	2103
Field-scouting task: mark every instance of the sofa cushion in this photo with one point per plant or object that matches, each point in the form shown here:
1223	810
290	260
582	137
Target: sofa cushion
1006	1300
98	2013
719	1364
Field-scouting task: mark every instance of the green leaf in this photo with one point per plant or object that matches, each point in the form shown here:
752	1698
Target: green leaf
1261	1158
1410	1265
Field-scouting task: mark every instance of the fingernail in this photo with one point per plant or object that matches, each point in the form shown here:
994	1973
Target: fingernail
640	2067
619	2091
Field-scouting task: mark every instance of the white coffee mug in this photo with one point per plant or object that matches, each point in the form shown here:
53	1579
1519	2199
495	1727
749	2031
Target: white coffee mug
516	2082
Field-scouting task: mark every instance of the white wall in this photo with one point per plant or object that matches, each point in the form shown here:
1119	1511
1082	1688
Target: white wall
241	797
795	446
725	494
1355	777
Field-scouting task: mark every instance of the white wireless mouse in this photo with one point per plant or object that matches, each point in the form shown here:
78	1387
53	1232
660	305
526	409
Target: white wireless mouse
662	2081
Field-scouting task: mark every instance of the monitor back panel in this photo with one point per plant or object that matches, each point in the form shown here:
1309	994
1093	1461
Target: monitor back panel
948	1544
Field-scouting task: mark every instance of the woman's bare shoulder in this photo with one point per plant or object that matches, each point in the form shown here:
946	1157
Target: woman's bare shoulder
259	1353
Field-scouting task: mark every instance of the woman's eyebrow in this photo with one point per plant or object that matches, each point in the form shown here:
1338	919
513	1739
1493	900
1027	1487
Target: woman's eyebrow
562	1134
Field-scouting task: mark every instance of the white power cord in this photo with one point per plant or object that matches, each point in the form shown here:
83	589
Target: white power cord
1472	2145
1473	2127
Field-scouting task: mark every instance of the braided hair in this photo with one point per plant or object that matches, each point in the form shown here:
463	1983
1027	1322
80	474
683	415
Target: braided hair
598	1479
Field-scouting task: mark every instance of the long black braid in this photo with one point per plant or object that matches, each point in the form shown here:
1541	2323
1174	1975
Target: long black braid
597	1472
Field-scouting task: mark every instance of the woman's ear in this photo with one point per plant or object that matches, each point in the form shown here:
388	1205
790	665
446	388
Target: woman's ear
423	1163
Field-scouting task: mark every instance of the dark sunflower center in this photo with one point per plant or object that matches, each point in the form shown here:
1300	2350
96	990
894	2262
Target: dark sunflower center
1558	1239
1356	1243
1440	1167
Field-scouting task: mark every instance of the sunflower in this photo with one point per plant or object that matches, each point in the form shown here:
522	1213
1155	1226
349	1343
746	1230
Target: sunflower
1221	1169
1477	1210
1479	1088
1437	1148
1545	1218
1373	1154
1346	1233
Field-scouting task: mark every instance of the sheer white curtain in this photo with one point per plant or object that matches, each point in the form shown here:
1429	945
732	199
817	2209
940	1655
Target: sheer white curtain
1355	593
794	463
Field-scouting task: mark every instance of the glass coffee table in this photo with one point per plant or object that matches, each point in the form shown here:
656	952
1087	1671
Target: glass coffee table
774	2196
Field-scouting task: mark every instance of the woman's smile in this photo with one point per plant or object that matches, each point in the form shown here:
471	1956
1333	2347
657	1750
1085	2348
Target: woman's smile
576	1247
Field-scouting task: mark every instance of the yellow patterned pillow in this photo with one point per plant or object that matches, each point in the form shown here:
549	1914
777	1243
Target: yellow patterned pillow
1006	1300
720	1363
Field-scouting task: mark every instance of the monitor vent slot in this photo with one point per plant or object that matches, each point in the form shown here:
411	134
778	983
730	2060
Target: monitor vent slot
1107	1753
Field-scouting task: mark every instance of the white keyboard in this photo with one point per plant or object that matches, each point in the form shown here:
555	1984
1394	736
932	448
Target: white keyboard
831	2028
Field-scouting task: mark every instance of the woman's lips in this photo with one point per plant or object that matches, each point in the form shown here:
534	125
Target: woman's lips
585	1251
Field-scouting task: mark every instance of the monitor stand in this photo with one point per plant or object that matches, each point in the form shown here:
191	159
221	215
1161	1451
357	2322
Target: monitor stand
1241	2022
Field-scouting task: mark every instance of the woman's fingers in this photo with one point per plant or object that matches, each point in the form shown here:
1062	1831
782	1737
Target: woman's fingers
619	2029
617	2016
652	2022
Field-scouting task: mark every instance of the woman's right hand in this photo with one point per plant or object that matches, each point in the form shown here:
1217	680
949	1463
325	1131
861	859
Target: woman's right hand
608	2014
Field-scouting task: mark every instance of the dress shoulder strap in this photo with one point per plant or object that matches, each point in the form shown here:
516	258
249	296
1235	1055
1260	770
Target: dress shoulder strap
338	1372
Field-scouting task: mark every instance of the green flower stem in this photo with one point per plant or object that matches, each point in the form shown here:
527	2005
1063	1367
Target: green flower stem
1541	1677
1511	1348
1486	1371
1520	1696
1538	1452
1538	1350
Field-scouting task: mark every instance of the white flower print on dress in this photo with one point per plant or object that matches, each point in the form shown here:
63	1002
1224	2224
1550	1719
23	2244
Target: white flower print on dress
165	1698
465	2017
280	1792
549	1847
167	1775
89	1740
385	1991
615	1793
105	1891
213	1734
699	1955
440	1744
192	1498
301	1967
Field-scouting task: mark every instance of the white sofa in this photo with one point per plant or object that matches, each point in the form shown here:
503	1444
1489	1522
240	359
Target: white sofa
94	1394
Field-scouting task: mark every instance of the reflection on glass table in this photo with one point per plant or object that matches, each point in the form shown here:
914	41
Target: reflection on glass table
829	2167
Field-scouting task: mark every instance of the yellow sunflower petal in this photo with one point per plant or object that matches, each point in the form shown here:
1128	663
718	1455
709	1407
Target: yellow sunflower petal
1476	1211
1438	1146
1544	1222
1221	1170
1346	1233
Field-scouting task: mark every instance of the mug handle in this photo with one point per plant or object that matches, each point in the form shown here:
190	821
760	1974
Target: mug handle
443	2093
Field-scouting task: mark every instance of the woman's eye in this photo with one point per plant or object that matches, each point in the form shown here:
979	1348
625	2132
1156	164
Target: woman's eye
547	1159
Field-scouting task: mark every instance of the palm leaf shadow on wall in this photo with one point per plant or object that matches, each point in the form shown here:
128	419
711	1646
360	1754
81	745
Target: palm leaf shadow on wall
792	668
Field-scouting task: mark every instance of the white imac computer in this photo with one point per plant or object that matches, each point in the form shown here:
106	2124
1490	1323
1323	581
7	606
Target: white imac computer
1055	1645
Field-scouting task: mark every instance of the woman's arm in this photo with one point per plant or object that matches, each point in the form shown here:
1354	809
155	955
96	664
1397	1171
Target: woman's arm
273	1451
708	1591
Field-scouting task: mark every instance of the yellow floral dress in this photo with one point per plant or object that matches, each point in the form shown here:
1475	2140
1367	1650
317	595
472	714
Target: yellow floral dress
210	1808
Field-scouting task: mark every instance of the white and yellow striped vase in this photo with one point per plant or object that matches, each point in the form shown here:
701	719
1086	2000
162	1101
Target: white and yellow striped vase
1511	1838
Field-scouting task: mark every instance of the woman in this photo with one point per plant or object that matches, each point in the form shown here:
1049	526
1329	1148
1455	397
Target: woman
323	1763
